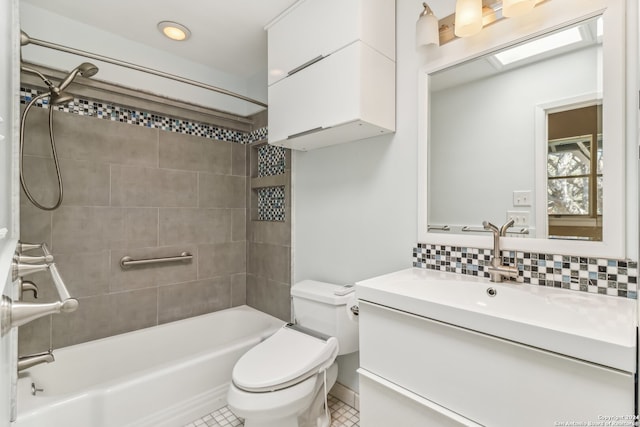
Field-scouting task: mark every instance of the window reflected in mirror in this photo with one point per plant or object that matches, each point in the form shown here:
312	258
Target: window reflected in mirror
574	173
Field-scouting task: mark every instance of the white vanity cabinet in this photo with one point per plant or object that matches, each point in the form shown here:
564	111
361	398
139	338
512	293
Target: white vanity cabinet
462	377
418	367
331	72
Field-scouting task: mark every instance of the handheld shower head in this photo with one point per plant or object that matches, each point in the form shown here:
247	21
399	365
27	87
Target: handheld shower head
60	98
86	69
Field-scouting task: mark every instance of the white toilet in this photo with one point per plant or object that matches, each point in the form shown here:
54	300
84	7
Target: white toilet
283	381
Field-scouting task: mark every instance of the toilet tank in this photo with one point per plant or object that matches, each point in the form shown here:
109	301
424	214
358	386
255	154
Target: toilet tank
317	307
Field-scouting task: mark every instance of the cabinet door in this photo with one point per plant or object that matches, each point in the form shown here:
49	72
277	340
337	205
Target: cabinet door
489	380
312	29
355	83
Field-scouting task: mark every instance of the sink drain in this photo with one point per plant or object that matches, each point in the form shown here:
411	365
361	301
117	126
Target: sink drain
492	292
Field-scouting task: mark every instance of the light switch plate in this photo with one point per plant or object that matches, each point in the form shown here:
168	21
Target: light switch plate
522	198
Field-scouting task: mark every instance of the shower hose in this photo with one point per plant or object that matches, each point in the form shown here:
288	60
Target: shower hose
53	152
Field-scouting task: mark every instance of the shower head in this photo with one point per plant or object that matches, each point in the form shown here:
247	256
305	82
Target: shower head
60	98
86	69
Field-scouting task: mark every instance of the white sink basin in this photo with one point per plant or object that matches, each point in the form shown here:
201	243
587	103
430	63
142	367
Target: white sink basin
596	328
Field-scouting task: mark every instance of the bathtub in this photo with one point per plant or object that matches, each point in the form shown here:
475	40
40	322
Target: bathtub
164	376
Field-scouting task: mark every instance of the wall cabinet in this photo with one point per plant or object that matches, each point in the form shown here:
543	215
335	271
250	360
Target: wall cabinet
331	72
426	369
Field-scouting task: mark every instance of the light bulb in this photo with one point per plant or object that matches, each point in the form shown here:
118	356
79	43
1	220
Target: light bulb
468	17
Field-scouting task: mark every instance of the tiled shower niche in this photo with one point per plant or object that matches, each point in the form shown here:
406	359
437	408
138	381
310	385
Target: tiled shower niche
269	182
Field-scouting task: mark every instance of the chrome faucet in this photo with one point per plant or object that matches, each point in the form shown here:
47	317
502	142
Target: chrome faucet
497	271
26	362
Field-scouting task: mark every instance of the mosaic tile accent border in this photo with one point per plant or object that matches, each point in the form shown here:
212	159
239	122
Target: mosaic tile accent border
271	204
258	135
595	275
118	113
271	160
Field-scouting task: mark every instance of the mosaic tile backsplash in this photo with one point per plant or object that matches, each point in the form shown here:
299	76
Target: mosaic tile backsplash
118	113
596	275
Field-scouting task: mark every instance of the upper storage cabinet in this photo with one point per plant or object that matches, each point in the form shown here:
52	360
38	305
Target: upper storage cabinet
331	72
313	29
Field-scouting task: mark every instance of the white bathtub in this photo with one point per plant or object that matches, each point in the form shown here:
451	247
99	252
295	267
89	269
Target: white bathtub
163	376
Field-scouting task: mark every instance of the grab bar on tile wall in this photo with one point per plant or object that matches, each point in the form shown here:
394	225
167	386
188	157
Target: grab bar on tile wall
512	230
127	261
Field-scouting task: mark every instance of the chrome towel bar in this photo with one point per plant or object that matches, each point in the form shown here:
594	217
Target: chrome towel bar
127	261
511	230
438	227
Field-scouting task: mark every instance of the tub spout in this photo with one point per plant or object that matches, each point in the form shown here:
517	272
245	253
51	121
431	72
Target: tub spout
26	362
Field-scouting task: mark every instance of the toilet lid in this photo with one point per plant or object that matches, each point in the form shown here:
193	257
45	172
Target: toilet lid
282	360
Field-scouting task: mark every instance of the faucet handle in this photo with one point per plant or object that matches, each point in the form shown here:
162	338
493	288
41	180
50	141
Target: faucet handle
506	226
488	226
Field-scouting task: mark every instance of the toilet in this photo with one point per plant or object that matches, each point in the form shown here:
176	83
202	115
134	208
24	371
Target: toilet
284	380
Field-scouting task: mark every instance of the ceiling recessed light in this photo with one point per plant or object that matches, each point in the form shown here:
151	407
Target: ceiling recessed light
174	31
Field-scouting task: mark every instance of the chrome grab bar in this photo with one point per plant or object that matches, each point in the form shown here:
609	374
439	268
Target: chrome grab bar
472	229
127	261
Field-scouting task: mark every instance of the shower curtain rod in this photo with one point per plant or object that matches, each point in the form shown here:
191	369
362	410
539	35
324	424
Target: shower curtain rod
25	40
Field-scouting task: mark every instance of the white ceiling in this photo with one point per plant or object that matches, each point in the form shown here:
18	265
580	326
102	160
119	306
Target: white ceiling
227	35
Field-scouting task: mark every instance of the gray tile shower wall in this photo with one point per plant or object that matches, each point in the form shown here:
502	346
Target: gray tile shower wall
269	230
137	190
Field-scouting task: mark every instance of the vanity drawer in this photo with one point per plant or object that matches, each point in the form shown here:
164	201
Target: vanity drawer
384	404
489	380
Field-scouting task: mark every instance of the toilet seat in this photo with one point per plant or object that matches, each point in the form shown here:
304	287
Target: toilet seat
286	358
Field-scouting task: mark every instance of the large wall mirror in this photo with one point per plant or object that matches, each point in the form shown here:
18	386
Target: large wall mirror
534	130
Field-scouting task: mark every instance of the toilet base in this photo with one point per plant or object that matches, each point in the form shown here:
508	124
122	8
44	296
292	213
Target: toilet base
311	414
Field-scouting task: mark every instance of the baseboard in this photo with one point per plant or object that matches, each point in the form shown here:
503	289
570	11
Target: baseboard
346	395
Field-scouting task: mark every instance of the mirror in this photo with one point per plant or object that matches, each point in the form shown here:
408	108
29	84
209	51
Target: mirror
484	148
482	138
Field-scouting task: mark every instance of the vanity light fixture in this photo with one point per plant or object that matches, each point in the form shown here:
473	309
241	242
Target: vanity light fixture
472	15
427	28
512	8
174	31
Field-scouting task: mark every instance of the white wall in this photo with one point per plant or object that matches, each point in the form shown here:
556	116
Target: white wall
9	204
42	24
489	121
355	204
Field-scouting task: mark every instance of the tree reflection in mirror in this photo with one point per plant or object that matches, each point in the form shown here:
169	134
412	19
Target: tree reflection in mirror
574	173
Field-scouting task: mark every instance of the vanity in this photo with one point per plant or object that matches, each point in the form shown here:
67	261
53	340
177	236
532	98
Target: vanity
441	349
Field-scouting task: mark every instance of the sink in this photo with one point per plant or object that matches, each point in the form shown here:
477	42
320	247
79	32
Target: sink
596	328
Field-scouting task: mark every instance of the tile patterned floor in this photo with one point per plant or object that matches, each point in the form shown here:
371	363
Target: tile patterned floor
342	415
